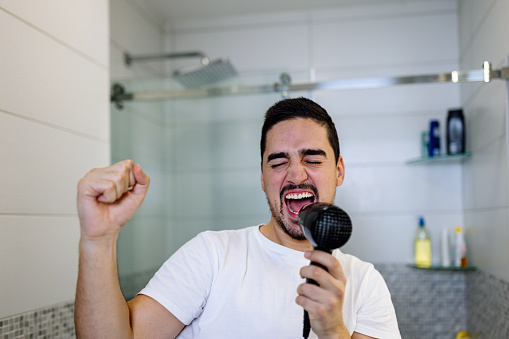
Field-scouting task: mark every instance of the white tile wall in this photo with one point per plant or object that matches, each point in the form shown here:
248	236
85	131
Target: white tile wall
133	31
49	82
484	37
54	126
47	163
39	257
65	21
379	129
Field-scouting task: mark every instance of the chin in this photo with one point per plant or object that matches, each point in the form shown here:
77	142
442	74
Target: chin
293	229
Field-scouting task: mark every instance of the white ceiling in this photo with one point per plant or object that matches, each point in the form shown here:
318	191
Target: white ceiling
172	11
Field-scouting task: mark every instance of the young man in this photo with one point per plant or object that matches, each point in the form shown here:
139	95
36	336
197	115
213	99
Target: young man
246	283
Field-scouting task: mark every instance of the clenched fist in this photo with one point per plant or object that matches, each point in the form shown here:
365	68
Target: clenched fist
108	198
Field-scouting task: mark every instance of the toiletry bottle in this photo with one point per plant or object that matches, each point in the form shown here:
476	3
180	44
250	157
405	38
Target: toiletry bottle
434	138
460	249
422	243
424	143
455	131
445	256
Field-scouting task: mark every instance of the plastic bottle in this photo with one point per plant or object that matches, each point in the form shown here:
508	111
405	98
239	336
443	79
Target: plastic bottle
445	256
422	243
434	138
455	131
460	249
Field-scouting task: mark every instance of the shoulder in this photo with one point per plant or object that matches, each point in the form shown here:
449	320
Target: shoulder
353	265
363	274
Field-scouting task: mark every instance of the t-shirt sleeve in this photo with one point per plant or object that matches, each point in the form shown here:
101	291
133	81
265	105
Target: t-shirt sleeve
183	282
376	316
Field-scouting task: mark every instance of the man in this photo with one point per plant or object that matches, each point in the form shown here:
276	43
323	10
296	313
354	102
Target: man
246	283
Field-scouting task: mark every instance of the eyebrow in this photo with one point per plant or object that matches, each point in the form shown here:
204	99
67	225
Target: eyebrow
277	156
302	153
313	152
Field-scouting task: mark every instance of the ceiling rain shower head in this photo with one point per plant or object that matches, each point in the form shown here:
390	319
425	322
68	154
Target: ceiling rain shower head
206	73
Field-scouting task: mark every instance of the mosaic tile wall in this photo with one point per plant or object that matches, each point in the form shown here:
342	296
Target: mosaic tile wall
429	304
55	322
488	306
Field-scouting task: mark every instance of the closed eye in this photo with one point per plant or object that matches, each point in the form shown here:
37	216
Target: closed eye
277	165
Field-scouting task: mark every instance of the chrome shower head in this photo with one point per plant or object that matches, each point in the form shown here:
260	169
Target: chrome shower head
205	74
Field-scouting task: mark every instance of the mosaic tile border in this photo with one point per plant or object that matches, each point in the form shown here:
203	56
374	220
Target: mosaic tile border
55	322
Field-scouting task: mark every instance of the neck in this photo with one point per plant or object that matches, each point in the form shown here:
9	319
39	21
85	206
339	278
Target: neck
274	233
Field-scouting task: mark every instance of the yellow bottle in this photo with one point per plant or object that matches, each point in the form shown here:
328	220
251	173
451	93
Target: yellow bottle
422	245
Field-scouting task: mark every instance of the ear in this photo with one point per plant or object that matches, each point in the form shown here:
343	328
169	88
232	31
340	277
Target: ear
261	178
341	171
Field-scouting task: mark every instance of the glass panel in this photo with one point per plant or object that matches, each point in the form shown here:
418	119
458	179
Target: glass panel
204	161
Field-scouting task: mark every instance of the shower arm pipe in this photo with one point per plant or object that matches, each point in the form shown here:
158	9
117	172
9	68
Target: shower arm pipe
129	59
486	74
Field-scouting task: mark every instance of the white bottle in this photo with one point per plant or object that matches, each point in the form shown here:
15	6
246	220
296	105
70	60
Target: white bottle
460	249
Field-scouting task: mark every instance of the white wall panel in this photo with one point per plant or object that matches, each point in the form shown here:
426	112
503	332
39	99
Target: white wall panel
487	235
385	139
133	31
485	183
401	189
385	41
402	101
253	48
81	25
45	81
484	37
43	165
388	238
39	261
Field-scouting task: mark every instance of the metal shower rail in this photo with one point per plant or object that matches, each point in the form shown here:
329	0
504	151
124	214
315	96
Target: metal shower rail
486	74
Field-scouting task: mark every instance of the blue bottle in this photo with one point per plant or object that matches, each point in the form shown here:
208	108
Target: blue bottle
434	138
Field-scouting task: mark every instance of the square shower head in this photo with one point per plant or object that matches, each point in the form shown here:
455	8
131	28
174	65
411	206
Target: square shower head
202	75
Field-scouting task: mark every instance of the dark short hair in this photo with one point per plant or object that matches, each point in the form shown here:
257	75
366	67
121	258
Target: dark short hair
288	109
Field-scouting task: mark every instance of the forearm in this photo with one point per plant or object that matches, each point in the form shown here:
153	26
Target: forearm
100	308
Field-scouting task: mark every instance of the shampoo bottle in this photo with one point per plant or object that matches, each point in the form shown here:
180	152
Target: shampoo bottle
422	245
455	132
434	138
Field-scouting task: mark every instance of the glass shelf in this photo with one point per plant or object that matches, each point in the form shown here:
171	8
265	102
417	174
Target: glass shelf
442	158
444	268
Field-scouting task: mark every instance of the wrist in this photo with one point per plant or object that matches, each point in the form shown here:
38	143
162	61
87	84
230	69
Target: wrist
101	243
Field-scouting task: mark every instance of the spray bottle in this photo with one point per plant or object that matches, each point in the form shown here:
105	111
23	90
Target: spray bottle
460	249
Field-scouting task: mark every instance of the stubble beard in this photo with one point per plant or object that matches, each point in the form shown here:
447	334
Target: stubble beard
294	232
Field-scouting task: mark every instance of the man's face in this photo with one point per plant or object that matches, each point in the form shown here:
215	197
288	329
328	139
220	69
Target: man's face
298	167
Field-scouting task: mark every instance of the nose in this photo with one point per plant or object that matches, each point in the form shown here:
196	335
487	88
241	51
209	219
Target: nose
296	174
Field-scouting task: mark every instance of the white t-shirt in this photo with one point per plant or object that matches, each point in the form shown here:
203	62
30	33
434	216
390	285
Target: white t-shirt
239	284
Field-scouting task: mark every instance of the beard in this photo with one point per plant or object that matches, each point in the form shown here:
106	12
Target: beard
278	215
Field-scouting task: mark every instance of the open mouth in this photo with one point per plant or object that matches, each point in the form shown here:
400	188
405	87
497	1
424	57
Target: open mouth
294	201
